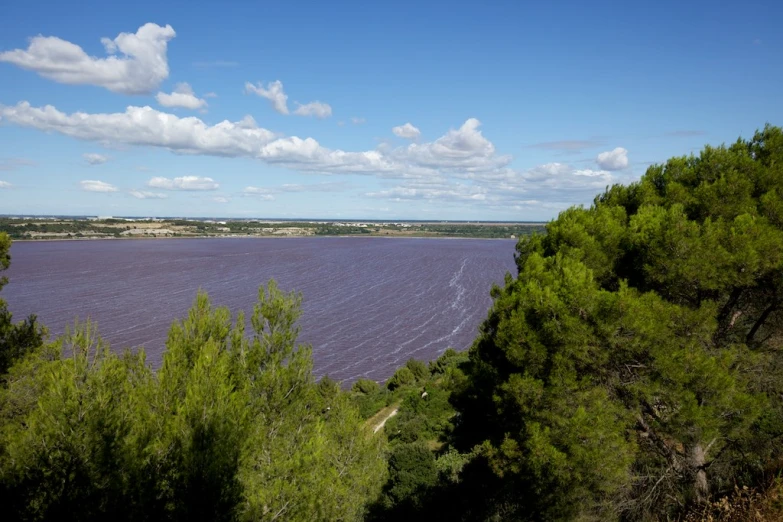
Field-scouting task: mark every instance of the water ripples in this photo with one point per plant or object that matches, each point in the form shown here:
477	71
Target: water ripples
369	303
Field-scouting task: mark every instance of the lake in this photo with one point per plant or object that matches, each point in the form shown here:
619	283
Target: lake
369	303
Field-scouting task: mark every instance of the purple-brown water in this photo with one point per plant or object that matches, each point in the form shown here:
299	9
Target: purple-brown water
369	303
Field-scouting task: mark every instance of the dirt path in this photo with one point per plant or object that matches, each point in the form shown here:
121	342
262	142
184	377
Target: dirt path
381	424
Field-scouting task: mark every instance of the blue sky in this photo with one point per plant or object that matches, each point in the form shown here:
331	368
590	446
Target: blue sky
385	110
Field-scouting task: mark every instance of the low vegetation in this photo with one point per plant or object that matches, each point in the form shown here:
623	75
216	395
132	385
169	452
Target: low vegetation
631	370
20	228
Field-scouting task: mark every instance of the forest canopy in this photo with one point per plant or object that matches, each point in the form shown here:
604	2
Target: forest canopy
634	364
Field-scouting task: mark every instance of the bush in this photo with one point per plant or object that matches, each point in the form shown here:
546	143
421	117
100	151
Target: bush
327	387
412	472
365	386
402	377
418	368
448	359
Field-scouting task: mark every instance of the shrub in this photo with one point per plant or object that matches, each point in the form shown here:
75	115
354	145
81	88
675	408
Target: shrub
402	377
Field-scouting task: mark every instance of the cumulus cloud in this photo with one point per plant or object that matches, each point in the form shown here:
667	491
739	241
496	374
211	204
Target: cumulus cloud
143	194
561	177
183	183
91	185
94	158
550	186
136	65
4	184
221	199
183	96
463	151
616	159
406	131
316	108
279	99
273	92
461	167
145	126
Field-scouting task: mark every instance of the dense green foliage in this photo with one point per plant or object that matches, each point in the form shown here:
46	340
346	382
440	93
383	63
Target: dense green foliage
634	365
365	386
231	427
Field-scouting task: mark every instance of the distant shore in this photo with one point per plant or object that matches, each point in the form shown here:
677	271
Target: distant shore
90	229
354	236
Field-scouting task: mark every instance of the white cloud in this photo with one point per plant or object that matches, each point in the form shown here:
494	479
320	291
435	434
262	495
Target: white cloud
221	199
276	95
145	126
247	122
139	69
183	96
616	159
464	149
273	92
463	152
550	186
406	131
462	165
316	108
358	121
143	194
210	95
94	158
564	181
4	184
183	183
91	185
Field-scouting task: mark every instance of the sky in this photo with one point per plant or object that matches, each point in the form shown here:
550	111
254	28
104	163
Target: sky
368	110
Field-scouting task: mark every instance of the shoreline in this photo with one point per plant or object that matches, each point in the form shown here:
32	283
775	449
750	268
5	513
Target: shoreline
363	236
